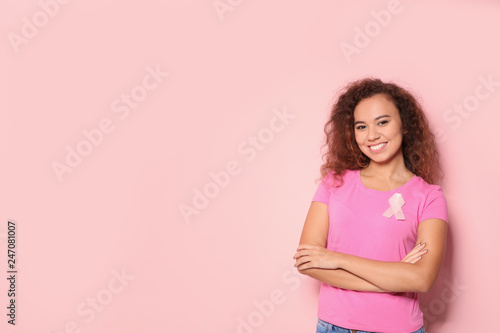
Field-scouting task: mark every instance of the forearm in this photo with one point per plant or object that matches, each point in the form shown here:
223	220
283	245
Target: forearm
341	279
389	276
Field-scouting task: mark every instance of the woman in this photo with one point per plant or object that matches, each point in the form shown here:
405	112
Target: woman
375	233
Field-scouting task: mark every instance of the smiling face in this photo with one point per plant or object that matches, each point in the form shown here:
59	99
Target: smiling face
378	129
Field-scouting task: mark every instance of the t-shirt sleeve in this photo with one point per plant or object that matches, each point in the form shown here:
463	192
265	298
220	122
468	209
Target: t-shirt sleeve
323	191
435	206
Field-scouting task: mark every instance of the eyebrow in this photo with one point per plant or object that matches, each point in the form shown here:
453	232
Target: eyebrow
376	118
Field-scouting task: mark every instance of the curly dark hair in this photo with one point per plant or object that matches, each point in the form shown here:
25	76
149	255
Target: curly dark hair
419	146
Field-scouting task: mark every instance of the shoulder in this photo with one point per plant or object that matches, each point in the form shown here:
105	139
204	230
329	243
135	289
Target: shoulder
426	189
432	200
334	180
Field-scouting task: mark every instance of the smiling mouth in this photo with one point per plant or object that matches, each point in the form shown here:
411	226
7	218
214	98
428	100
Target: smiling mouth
378	147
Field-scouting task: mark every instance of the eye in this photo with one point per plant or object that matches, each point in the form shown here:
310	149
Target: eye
360	127
383	122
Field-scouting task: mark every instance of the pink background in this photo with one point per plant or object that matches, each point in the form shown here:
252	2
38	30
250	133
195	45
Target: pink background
228	267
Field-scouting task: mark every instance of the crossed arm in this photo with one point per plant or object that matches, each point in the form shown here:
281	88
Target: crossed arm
417	272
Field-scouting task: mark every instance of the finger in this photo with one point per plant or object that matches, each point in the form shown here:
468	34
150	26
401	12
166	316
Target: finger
303	267
416	249
412	254
301	254
306	265
416	253
420	256
301	261
412	258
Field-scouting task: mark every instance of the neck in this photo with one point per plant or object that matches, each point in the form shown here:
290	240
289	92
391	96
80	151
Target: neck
394	168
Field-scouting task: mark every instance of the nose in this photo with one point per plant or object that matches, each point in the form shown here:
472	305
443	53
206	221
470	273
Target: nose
373	133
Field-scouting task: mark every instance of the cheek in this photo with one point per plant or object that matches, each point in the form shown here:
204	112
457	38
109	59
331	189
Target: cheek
399	136
358	138
395	133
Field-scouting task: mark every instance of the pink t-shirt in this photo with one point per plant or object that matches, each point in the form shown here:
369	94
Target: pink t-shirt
358	227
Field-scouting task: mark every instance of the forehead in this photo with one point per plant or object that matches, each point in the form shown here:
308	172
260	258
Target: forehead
375	106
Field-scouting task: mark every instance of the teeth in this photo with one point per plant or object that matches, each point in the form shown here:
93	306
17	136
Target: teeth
377	147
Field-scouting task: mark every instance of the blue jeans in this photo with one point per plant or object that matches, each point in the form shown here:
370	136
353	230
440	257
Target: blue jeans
324	327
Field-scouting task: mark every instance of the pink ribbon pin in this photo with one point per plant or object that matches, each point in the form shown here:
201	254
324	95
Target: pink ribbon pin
396	202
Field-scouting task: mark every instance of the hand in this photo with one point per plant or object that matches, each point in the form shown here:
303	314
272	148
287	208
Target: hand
415	254
310	256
